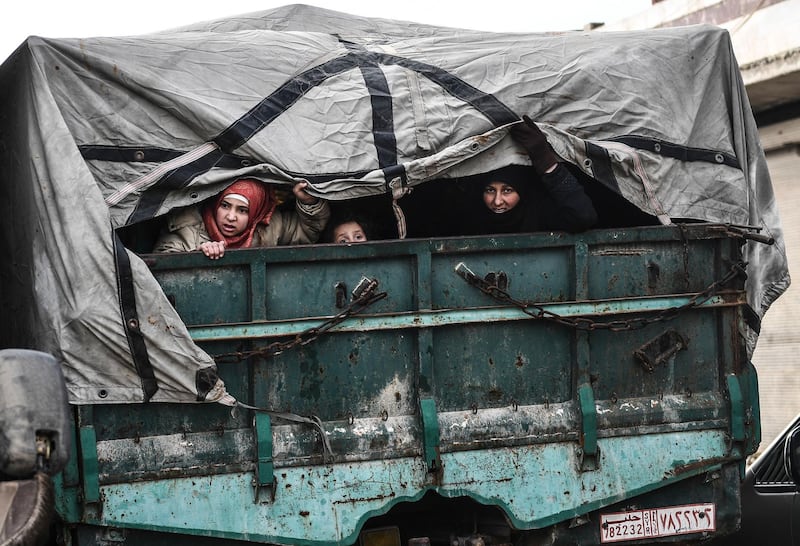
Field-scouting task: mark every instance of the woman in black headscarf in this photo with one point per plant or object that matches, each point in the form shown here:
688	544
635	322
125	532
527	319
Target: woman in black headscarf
518	199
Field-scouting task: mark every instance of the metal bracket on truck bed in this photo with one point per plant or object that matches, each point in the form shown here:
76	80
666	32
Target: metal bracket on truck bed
264	472
737	430
589	452
430	425
660	349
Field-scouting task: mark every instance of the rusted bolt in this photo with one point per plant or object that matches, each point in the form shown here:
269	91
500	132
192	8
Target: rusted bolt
384	415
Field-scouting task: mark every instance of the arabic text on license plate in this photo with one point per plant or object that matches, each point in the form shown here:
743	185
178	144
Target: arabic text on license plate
657	522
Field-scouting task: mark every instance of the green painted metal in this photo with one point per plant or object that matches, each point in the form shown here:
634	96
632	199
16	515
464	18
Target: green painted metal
435	388
89	464
736	408
264	471
428	319
536	486
589	450
749	378
430	431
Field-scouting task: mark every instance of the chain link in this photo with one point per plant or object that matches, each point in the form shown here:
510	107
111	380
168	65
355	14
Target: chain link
364	295
584	323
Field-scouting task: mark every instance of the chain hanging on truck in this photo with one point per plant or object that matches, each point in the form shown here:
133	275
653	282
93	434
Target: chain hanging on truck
584	323
363	295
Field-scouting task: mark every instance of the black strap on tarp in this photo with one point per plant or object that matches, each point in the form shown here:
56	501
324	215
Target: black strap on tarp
601	166
677	151
152	154
127	305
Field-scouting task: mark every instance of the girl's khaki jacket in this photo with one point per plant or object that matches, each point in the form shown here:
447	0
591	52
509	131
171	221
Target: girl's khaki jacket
185	230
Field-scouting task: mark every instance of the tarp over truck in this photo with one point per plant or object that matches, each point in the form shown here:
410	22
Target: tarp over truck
101	133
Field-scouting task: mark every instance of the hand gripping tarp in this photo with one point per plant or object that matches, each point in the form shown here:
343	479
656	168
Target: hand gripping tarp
101	133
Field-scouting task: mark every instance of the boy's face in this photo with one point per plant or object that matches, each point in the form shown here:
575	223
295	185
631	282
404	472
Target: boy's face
349	232
232	217
500	197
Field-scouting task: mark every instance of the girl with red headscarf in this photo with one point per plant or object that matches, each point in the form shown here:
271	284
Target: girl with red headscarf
245	214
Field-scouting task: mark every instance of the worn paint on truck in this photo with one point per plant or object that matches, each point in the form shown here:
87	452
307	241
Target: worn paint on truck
508	387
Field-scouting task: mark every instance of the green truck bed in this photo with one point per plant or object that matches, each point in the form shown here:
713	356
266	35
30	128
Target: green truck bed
528	389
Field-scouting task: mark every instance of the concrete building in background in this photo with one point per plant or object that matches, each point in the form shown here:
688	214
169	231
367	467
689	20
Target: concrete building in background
766	42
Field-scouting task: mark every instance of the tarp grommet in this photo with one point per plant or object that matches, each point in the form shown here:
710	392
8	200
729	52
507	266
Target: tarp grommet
587	162
657	147
719	158
102	393
138	155
193	195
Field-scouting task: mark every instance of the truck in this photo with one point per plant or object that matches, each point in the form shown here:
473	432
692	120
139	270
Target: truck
530	389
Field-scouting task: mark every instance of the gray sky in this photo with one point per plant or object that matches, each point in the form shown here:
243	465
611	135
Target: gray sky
86	18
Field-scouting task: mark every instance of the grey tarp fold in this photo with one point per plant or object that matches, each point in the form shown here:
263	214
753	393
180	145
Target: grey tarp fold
101	133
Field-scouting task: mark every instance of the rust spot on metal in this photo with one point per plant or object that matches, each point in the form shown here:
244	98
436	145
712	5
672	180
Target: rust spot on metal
305	513
494	394
519	362
689	467
364	499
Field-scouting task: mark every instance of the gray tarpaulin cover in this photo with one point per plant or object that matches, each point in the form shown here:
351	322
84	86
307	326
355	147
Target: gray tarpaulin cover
100	133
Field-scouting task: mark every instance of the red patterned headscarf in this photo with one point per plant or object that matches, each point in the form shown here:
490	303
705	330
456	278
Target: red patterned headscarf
262	204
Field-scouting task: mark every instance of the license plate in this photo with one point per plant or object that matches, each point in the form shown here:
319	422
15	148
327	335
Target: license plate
657	522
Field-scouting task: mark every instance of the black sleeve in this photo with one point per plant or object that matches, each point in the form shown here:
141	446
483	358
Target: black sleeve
570	209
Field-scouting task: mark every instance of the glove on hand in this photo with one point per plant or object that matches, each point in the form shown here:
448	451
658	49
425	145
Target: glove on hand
530	137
